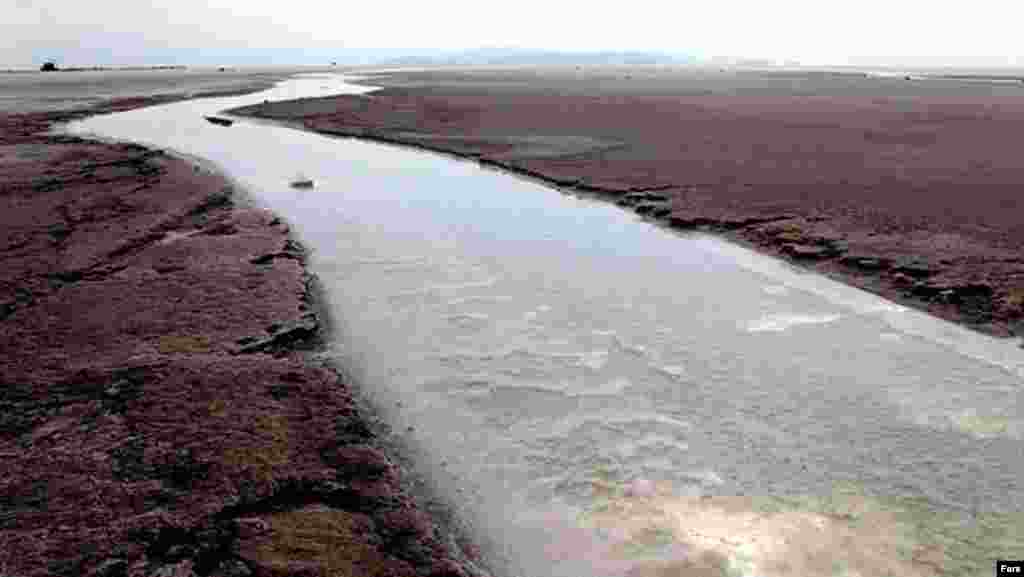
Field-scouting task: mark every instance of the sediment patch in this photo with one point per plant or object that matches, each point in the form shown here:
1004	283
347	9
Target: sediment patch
644	526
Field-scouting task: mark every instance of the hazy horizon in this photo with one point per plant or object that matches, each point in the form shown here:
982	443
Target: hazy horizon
258	32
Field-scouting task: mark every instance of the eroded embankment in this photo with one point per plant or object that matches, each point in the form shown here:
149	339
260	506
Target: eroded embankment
906	192
160	411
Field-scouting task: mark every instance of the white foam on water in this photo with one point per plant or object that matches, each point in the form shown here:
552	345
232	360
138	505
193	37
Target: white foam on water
391	261
560	388
774	289
780	323
463	319
1004	355
507	353
593	360
616	420
540	310
643	445
610	388
633	349
484	299
491	281
673	371
883	308
446	287
548	353
708	477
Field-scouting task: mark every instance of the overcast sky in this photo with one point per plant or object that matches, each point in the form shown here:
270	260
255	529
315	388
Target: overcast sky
865	32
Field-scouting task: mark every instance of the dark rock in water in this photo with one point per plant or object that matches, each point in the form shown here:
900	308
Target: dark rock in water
219	121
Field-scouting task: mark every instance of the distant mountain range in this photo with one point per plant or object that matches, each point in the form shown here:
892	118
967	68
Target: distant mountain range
522	56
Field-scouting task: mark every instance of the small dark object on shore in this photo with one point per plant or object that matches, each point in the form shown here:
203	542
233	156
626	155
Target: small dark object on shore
48	67
220	121
302	183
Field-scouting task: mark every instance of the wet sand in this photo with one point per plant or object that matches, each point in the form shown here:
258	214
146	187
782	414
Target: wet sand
162	407
909	188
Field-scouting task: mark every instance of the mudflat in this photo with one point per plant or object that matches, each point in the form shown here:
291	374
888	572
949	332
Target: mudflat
907	187
162	411
71	90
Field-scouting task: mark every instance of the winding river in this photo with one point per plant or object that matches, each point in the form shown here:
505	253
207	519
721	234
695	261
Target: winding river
601	396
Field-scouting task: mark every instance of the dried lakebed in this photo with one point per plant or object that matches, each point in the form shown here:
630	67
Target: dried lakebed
601	396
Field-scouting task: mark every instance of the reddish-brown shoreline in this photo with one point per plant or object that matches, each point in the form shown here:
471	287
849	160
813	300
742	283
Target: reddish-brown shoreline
911	191
159	411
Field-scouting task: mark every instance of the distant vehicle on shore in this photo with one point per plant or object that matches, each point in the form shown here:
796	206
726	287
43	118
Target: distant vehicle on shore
301	181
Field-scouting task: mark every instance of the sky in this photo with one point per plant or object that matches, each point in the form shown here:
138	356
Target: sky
983	33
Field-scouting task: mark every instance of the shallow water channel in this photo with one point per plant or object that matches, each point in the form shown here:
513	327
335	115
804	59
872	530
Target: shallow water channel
601	396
